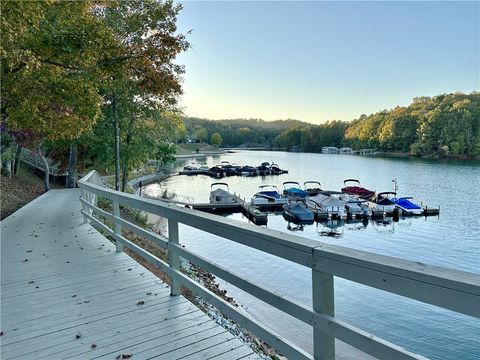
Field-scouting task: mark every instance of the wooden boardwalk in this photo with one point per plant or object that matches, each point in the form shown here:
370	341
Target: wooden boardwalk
66	294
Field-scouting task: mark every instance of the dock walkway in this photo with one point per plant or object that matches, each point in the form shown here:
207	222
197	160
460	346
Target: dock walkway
66	294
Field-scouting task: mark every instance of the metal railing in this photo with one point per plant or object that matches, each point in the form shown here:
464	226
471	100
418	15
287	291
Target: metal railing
33	159
450	289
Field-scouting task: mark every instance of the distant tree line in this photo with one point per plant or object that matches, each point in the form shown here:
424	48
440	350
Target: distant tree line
238	131
442	125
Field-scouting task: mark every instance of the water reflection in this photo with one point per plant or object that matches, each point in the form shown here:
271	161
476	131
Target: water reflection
450	240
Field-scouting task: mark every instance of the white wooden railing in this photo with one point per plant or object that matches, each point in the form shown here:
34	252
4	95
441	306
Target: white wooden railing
450	289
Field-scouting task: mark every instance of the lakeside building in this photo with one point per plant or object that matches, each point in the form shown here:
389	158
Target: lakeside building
346	151
330	150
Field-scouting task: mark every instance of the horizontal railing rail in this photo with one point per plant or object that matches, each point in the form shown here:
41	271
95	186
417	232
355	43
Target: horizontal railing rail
447	288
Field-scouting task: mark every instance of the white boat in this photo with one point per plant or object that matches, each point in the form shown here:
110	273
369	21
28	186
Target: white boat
312	187
408	206
219	195
355	206
268	195
382	202
329	202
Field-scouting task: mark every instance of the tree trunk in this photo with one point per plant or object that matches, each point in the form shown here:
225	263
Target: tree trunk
72	166
124	178
117	143
46	177
17	159
126	154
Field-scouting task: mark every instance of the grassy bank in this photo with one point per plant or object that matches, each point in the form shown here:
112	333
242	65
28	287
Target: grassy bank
19	190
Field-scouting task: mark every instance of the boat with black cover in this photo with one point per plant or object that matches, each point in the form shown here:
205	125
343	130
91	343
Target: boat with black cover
221	194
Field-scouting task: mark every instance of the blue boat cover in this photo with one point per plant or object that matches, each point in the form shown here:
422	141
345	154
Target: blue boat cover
273	194
299	212
406	204
296	192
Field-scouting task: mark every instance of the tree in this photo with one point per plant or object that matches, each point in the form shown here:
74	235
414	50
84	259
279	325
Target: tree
201	134
216	139
46	85
141	69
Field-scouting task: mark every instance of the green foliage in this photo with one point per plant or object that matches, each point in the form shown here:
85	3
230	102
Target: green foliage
216	139
239	131
49	49
71	70
442	125
104	203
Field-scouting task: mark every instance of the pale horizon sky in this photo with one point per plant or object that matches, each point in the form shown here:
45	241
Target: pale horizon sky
317	61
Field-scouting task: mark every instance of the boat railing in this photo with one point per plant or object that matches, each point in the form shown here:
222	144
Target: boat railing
455	290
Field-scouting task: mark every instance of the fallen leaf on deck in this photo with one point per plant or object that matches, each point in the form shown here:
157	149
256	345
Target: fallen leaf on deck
31	282
93	346
29	251
141	302
124	356
78	335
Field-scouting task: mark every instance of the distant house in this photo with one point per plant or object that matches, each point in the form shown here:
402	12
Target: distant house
346	151
295	148
330	150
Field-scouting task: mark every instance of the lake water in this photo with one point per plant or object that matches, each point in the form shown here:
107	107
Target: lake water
450	240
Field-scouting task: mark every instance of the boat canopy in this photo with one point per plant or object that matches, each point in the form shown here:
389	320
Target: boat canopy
219	184
351	180
291	182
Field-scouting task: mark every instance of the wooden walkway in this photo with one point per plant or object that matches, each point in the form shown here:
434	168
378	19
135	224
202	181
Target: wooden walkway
66	294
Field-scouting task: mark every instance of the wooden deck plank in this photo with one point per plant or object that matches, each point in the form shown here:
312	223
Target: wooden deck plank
234	354
102	333
92	292
192	349
67	322
77	305
75	282
157	340
211	350
112	339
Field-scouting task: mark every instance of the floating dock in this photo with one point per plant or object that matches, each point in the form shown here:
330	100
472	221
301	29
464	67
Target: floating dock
246	208
252	212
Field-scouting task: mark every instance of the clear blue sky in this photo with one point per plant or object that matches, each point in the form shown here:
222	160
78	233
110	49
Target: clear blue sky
318	61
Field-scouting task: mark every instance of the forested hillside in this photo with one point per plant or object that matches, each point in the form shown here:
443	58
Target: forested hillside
446	124
238	131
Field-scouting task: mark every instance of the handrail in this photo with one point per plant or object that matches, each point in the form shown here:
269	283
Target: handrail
450	289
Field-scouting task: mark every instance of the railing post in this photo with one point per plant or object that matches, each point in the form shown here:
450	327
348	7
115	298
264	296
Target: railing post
173	259
84	207
117	226
323	302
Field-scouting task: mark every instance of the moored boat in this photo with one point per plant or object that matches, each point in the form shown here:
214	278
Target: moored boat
382	202
298	213
328	202
293	192
407	206
221	194
268	195
356	206
312	187
275	169
353	187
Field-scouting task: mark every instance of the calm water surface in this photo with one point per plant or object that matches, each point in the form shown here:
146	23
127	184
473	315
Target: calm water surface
450	240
